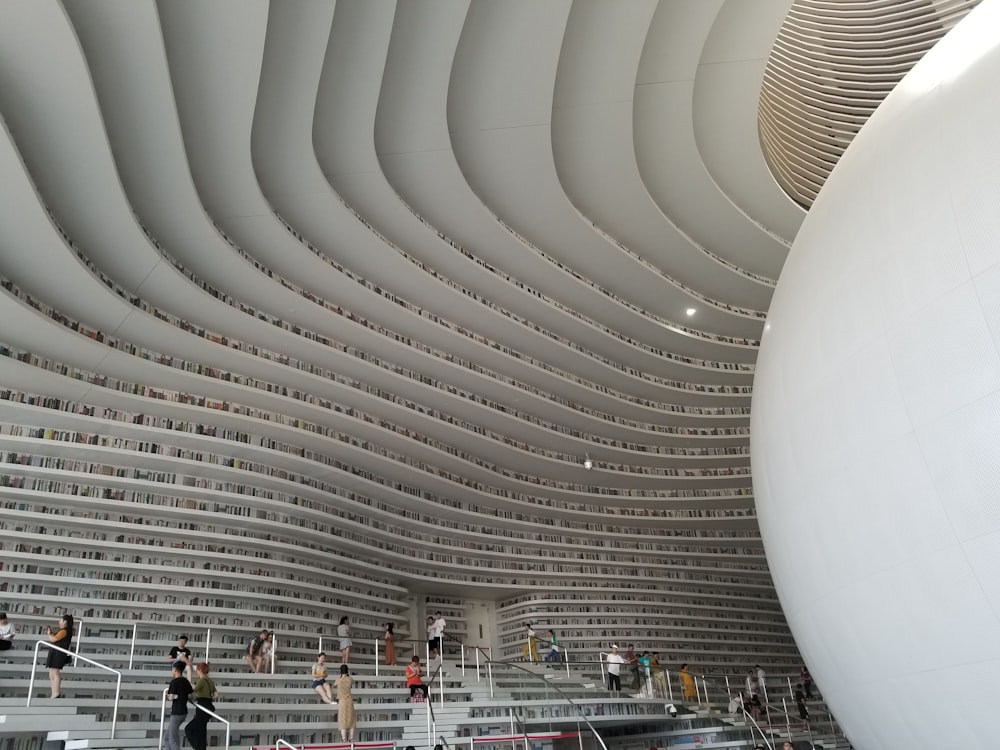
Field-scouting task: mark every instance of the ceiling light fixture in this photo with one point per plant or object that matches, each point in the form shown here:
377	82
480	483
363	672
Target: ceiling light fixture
690	311
587	463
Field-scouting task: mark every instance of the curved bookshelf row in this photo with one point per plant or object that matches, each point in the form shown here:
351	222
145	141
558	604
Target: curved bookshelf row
356	439
394	338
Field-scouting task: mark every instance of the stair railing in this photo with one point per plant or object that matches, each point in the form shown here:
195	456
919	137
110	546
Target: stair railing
569	701
283	743
754	725
54	647
431	720
163	716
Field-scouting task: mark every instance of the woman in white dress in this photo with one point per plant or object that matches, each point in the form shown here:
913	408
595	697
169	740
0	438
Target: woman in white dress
344	634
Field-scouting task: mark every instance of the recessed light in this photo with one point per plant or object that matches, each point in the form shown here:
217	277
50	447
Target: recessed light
691	311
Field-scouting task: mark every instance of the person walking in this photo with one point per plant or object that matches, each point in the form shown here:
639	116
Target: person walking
346	718
800	702
178	693
390	645
615	661
554	654
204	694
62	637
344	634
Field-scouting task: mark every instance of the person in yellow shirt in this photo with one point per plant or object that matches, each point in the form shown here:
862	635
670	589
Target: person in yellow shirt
687	684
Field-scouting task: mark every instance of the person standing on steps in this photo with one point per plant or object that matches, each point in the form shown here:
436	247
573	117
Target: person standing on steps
688	687
438	629
56	660
178	693
344	634
431	640
615	661
761	676
530	651
752	685
346	718
807	682
181	653
659	675
390	645
204	694
632	662
645	677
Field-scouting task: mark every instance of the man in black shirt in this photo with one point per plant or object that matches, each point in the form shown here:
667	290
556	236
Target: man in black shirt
178	692
182	653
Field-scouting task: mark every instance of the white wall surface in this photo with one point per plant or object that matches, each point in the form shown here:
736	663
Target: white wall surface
876	412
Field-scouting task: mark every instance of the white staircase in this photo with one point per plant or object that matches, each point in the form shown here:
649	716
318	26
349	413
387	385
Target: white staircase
60	720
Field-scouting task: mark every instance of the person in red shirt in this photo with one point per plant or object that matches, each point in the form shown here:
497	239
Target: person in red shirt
413	678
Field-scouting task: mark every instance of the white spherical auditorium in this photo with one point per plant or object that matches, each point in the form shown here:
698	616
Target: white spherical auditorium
875	436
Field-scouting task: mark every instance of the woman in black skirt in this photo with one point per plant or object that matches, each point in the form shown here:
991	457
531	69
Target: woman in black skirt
204	694
56	660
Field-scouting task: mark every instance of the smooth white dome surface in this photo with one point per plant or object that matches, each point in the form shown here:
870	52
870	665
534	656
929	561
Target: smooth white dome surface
876	412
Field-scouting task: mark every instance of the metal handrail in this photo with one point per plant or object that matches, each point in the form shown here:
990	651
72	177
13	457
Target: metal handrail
163	713
515	665
289	745
34	663
431	719
767	742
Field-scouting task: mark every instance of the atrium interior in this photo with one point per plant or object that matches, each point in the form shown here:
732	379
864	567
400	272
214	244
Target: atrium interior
378	309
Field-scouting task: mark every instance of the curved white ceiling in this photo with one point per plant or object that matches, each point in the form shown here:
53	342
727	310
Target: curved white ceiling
403	266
